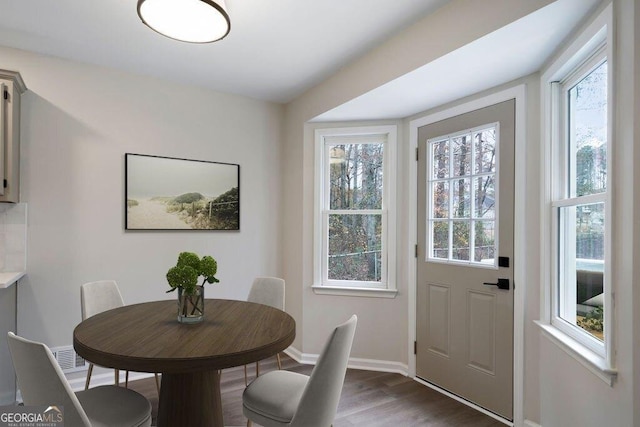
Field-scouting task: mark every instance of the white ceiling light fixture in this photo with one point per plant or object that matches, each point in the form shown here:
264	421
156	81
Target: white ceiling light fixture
193	21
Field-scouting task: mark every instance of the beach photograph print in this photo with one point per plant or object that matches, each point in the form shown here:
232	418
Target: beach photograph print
164	193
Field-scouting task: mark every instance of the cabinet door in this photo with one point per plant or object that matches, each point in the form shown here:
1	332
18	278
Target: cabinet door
3	135
7	323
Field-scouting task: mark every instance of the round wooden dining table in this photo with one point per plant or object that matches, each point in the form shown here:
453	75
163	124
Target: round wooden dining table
148	338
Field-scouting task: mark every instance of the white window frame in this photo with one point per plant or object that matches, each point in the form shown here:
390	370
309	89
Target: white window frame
589	49
324	139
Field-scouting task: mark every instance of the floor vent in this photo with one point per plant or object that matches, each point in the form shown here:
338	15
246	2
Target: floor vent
68	360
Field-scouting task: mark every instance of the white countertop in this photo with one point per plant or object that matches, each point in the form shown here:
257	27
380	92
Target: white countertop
8	278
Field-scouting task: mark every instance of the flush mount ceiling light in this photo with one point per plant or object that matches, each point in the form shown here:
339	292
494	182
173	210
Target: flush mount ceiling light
193	21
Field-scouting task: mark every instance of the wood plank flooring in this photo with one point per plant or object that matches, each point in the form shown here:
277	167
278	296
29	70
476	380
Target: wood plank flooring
372	399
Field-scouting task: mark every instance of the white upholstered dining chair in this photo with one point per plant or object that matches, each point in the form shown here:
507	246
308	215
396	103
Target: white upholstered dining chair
289	399
42	382
96	297
268	291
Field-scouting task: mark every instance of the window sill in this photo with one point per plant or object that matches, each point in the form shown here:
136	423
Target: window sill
354	292
590	360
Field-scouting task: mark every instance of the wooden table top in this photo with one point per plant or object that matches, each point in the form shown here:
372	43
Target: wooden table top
147	337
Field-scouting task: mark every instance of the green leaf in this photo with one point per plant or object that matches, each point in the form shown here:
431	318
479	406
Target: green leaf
208	266
183	276
189	259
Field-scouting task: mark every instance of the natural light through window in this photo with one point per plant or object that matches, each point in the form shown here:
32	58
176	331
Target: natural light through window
354	217
462	197
581	203
355	212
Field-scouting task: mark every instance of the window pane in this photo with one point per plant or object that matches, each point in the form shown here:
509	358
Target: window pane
588	133
485	146
440	239
461	155
440	205
461	198
440	158
485	197
356	176
461	237
582	241
355	247
485	241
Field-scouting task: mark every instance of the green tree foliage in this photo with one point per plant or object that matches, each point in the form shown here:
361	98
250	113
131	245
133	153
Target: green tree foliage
188	198
224	211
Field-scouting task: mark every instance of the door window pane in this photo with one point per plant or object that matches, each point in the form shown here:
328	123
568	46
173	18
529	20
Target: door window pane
461	198
485	197
440	156
461	155
485	148
440	239
461	238
440	203
485	242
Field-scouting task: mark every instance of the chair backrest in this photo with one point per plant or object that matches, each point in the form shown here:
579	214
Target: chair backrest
268	291
96	297
41	380
319	401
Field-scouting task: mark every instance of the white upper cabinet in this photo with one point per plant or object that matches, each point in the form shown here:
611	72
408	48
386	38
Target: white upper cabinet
11	88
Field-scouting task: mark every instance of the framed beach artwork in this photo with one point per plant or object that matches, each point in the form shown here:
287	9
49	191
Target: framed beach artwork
165	193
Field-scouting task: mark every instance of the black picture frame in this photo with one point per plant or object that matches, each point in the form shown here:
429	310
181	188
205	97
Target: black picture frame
168	193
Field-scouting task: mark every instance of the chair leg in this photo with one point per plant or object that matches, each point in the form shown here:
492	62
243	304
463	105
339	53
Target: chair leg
257	369
249	423
116	372
279	361
126	379
157	384
89	372
246	382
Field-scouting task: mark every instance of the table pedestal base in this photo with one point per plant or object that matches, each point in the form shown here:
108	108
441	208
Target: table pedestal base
190	400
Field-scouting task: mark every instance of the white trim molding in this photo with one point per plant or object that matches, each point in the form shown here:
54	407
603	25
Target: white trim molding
600	360
386	135
354	362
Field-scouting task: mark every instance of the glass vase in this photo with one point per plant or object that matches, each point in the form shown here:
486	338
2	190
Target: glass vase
191	306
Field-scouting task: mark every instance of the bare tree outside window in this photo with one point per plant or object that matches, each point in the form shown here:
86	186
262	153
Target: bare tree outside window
462	194
355	194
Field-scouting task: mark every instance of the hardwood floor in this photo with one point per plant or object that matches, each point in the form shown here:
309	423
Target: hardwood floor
368	399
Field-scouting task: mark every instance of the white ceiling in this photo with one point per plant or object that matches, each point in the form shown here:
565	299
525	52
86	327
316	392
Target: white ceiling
279	49
276	49
511	52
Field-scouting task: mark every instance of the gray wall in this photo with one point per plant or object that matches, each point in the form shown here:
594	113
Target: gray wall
78	121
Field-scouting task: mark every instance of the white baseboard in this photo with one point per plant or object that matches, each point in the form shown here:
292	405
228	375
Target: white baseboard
77	384
354	362
528	423
107	378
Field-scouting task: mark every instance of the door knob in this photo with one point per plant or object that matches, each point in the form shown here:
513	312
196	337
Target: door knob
502	284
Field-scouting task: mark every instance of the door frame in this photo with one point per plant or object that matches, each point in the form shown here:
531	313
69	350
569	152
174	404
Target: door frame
518	93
